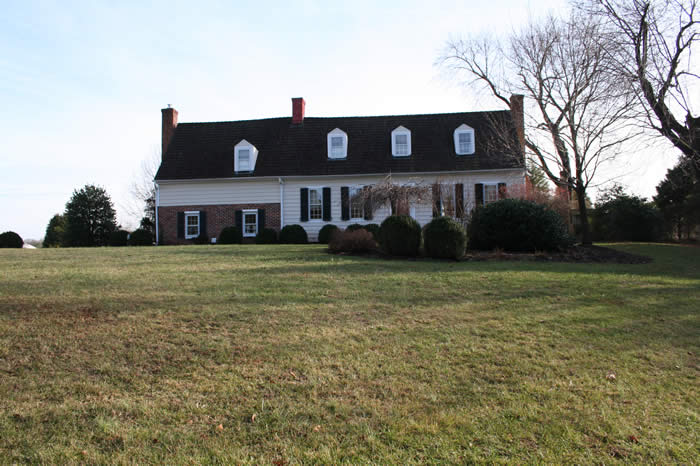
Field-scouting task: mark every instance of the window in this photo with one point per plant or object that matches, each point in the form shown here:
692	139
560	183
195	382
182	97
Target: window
315	204
337	144
244	160
191	225
245	157
401	142
490	193
464	140
357	205
250	222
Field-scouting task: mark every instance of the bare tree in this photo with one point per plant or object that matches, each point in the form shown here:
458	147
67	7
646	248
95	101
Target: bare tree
576	119
143	193
651	43
398	196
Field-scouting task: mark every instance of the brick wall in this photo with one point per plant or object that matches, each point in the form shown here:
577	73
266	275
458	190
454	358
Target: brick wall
218	217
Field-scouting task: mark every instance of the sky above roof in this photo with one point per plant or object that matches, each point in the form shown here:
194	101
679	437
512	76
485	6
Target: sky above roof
83	82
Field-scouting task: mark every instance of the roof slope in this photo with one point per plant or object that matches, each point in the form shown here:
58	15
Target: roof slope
206	150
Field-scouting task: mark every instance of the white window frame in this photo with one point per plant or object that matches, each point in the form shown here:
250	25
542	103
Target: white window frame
320	196
464	129
243	224
400	131
192	213
253	156
353	190
483	195
344	153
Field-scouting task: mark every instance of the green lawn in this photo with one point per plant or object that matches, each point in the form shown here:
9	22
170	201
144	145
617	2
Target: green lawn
284	354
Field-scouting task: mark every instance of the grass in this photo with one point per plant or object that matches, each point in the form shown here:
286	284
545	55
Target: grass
284	354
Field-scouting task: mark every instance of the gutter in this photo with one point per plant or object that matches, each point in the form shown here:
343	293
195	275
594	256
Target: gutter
353	175
281	181
157	205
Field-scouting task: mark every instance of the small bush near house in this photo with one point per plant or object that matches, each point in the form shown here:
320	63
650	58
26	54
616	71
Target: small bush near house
621	217
326	233
118	238
140	238
202	239
400	235
293	234
10	239
266	236
353	241
354	227
517	225
443	237
372	228
230	235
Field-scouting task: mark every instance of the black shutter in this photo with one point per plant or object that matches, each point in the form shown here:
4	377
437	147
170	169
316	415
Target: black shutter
344	203
304	198
261	220
479	194
369	206
326	204
502	193
239	219
394	207
202	224
437	202
459	200
180	224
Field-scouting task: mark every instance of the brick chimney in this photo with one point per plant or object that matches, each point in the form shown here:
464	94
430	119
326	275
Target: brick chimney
168	129
298	105
518	115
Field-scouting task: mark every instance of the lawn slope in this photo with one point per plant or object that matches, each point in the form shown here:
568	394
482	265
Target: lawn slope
285	354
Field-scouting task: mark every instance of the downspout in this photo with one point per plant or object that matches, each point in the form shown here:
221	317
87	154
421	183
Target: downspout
281	202
157	205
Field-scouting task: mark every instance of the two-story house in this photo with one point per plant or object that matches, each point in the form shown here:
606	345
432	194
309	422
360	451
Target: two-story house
304	170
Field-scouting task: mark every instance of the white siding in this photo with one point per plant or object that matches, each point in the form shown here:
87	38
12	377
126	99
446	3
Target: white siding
244	191
423	213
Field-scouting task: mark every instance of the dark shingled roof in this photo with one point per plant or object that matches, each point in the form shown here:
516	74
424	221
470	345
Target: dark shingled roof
206	150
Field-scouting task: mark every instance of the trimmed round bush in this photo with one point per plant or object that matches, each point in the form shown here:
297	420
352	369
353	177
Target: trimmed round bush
141	237
201	239
119	238
444	238
293	234
326	233
517	225
372	228
266	236
400	235
354	227
10	239
230	235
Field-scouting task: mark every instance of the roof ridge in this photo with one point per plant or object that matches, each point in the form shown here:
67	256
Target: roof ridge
480	112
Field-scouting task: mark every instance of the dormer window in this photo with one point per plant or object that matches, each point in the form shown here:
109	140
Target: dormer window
464	140
245	157
337	144
401	142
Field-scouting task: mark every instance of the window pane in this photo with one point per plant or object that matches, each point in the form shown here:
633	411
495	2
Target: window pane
401	144
250	224
244	160
401	139
465	142
192	223
490	193
315	206
337	146
357	208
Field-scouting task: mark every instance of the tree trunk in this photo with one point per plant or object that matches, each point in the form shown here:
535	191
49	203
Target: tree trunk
583	215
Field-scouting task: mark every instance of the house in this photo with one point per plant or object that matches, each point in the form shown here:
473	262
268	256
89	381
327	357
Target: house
303	170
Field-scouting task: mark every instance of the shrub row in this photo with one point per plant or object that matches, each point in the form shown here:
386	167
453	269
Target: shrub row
138	237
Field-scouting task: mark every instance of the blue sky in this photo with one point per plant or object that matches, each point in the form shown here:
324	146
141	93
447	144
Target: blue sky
82	83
